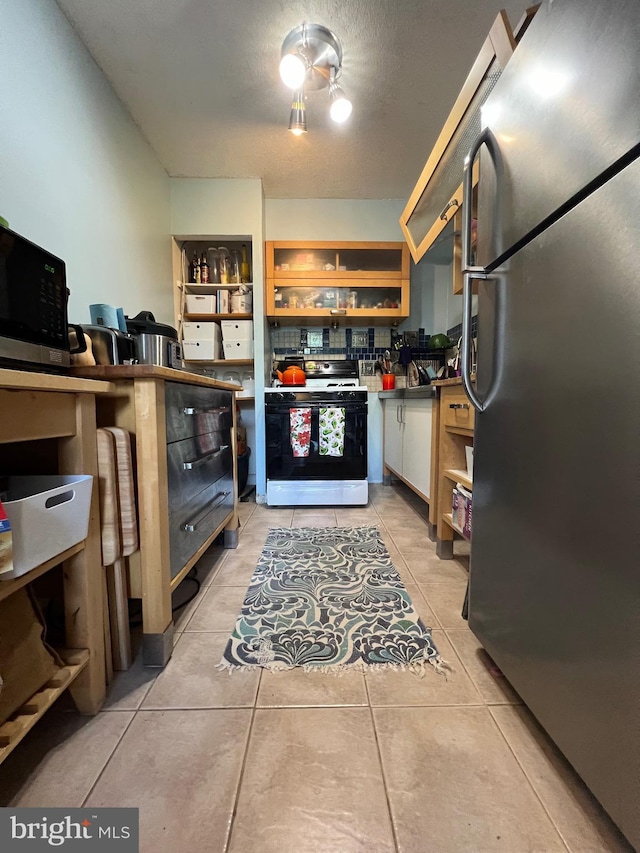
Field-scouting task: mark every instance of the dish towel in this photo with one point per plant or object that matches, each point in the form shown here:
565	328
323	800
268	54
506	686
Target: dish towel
300	430
332	431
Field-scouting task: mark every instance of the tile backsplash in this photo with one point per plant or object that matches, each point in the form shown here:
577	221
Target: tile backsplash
364	345
358	343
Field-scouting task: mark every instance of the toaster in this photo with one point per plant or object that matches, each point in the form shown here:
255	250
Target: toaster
111	346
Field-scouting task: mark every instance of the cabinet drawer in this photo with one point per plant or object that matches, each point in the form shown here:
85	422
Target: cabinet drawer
457	411
195	410
191	524
195	463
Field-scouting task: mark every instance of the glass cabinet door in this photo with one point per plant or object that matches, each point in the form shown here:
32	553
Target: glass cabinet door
317	281
307	297
337	260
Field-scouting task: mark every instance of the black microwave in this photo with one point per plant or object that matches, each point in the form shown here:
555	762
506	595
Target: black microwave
33	306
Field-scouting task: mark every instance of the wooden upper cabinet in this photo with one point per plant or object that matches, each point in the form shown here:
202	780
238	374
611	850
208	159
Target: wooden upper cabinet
437	196
319	282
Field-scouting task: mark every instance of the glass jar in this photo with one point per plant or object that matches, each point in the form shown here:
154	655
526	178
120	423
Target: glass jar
213	257
235	268
225	263
353	299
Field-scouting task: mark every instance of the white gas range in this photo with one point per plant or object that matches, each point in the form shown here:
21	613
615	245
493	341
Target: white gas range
316	437
334	375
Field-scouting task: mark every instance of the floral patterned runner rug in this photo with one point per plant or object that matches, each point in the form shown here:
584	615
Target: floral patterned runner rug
328	599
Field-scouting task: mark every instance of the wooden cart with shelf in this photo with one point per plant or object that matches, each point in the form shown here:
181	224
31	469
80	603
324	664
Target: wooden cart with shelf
40	408
455	424
138	403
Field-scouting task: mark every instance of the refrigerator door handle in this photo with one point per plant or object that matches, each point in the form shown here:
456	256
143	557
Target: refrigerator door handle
470	273
467	344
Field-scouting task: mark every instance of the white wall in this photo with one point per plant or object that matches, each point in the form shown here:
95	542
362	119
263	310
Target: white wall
333	219
76	176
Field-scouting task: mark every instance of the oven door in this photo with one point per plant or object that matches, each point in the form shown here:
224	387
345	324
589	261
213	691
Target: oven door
283	465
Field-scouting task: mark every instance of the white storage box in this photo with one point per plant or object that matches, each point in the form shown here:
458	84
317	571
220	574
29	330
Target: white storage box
237	349
237	330
48	514
200	350
201	332
200	303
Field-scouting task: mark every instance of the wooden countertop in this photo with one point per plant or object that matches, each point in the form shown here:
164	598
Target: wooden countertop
114	372
456	380
440	383
26	380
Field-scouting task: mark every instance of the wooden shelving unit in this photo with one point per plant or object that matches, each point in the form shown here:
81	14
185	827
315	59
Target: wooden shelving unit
459	476
8	587
214	318
183	288
456	420
41	407
224	362
448	517
25	718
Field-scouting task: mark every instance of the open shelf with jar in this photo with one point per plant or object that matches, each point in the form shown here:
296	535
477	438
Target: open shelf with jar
317	282
202	305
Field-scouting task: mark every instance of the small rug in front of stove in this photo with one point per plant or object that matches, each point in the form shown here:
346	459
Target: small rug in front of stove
328	599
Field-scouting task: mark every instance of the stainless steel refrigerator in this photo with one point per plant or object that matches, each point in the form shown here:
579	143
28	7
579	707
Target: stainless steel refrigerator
554	591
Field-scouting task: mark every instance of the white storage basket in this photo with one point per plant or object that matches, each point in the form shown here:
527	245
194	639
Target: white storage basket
237	330
200	350
201	332
200	304
48	514
237	349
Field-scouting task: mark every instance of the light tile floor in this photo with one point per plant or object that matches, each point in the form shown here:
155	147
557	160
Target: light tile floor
305	763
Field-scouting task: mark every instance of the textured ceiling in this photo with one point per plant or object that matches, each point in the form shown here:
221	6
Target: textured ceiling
200	78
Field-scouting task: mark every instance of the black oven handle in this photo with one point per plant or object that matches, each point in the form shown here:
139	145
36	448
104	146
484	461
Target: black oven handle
349	407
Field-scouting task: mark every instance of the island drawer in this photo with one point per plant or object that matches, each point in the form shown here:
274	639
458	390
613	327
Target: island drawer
457	411
195	410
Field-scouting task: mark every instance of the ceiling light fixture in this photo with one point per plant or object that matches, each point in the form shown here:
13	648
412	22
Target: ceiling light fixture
311	58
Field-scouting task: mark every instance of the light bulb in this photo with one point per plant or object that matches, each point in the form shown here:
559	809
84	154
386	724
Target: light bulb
293	70
341	106
298	115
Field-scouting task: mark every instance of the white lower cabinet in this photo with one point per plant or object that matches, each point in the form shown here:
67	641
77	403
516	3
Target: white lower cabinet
393	431
407	441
